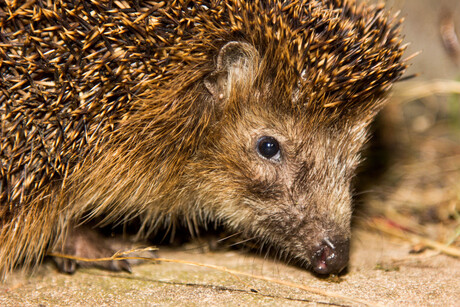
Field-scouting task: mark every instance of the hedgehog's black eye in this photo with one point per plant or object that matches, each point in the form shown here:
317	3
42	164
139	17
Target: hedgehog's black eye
269	148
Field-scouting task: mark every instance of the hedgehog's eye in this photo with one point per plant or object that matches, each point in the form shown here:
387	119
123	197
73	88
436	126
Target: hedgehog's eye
269	148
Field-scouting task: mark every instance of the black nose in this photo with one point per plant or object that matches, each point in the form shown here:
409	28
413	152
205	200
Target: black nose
331	256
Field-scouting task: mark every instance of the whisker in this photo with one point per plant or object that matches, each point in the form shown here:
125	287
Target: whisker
230	236
241	242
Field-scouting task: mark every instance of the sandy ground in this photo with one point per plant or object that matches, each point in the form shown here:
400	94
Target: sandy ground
382	271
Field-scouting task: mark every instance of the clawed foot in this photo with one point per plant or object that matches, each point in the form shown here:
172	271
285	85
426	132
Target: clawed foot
85	242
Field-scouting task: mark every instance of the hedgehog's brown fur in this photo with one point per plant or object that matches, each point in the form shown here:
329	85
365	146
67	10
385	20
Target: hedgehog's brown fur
106	106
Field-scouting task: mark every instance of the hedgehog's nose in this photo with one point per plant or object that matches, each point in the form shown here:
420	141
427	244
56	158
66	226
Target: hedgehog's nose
331	256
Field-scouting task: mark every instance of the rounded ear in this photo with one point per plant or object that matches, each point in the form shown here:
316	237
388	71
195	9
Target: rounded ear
237	62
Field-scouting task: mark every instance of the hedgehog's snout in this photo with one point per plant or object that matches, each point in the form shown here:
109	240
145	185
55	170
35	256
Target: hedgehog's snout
331	255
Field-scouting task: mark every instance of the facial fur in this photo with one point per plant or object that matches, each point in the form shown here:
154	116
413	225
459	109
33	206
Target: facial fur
295	200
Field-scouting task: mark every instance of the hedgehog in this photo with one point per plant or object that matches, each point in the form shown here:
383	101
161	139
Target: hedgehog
250	114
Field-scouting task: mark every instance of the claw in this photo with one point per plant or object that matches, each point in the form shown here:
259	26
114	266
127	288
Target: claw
120	265
68	266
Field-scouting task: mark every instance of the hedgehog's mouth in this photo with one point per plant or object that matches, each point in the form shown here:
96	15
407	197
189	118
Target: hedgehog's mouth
322	246
329	256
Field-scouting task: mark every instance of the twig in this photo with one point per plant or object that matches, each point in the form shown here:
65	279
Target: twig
414	239
418	90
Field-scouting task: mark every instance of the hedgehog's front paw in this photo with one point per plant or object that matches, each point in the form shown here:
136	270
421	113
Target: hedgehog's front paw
85	242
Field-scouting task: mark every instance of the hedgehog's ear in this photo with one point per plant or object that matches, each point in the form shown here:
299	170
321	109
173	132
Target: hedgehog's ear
237	62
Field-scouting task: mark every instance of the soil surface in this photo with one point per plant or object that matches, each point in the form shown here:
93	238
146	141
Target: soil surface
381	272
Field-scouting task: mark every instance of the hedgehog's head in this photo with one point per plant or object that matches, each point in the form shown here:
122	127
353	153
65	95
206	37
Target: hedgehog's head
279	162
